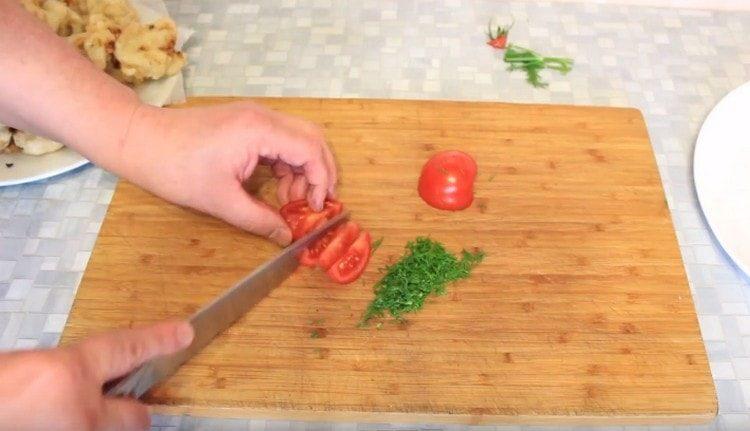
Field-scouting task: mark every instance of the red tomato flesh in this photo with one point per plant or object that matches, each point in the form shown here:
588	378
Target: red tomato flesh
310	255
333	208
447	180
499	42
345	236
295	208
344	252
353	263
302	219
309	224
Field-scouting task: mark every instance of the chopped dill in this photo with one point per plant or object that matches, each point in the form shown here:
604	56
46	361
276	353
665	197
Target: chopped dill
425	269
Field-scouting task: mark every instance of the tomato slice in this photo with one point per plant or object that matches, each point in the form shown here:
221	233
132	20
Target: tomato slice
302	219
310	255
353	263
333	208
295	208
344	252
345	236
308	224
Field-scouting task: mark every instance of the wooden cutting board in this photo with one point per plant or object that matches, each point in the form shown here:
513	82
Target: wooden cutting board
581	312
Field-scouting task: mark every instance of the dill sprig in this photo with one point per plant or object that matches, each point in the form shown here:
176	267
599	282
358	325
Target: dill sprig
424	270
519	58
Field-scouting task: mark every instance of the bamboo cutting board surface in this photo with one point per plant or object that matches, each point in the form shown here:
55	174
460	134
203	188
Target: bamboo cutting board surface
581	312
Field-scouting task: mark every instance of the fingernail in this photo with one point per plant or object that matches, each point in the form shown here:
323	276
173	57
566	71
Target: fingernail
281	236
315	201
185	334
320	199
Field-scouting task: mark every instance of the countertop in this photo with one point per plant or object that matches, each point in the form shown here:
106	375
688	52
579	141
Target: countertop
674	65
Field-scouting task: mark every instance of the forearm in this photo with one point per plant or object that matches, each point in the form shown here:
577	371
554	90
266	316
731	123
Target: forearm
16	381
48	88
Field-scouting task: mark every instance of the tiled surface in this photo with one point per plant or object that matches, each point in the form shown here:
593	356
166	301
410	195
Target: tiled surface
674	65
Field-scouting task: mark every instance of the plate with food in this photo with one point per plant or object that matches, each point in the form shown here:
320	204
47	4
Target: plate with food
111	33
721	169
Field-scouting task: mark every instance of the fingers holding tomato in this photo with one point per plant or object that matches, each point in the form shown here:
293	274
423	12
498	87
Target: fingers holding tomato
343	252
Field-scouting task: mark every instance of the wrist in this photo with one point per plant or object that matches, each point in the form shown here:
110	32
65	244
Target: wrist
138	150
99	128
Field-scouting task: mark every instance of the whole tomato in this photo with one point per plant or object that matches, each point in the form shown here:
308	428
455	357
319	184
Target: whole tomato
447	180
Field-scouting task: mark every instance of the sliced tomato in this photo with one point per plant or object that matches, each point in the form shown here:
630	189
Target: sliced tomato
302	219
353	263
333	208
343	252
308	224
300	207
294	213
345	236
295	208
310	255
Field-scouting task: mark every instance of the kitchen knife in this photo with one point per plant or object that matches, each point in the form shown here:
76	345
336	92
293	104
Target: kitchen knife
221	313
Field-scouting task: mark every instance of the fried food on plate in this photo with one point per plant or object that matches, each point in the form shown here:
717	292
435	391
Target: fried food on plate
118	11
5	136
98	41
111	35
58	16
79	6
148	52
33	144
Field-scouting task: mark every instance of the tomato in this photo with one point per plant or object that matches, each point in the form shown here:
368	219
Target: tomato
302	219
353	263
295	208
294	213
333	208
499	42
344	252
447	180
345	236
310	255
309	224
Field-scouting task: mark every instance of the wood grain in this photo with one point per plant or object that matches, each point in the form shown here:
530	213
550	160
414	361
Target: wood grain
581	312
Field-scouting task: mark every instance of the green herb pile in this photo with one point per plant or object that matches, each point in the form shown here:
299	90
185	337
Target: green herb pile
519	58
425	269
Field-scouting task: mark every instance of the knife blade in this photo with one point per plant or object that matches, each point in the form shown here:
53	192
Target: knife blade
221	313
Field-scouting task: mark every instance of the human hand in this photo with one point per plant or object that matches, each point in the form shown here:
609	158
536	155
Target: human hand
61	389
199	157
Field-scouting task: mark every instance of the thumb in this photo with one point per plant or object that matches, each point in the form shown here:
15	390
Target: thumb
244	211
114	354
124	414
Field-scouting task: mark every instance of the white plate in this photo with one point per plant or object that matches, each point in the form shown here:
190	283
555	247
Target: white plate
22	168
721	169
